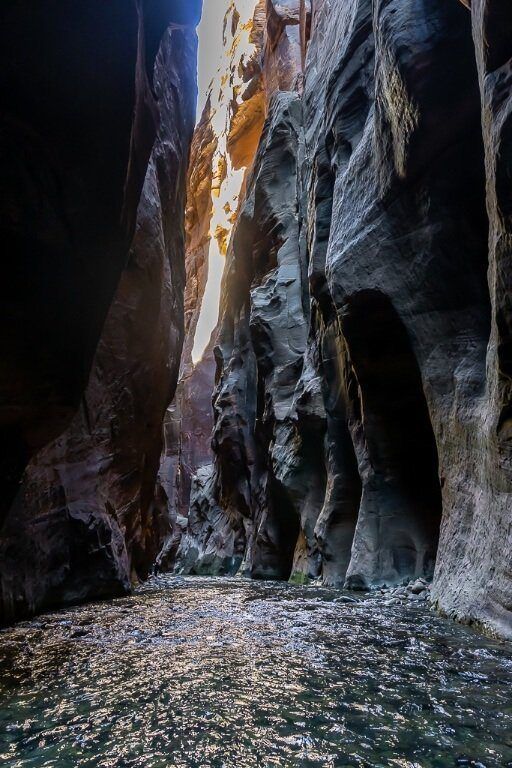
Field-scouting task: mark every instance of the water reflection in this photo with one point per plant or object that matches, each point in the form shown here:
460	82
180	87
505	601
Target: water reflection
236	674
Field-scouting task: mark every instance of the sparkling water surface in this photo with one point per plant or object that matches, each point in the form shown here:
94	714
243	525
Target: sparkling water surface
228	673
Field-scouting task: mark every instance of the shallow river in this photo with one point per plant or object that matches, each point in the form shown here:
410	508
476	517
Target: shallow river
236	674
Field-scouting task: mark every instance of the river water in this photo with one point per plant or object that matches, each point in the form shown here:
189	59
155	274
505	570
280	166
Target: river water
220	673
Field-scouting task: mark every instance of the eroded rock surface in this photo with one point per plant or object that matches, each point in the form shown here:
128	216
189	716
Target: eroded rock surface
362	401
79	119
224	145
474	570
238	510
189	420
83	522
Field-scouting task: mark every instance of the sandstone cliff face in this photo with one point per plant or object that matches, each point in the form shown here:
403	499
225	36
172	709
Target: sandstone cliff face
363	394
188	420
402	290
79	119
224	144
83	523
474	571
262	338
362	399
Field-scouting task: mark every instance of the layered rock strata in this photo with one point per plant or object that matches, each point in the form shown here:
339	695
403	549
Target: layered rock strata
188	421
361	409
83	523
362	399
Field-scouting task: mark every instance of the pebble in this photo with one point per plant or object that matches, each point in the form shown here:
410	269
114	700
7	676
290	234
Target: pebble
417	591
418	587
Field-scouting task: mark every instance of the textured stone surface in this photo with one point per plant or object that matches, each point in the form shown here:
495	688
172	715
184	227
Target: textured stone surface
235	504
405	218
363	401
83	522
362	404
474	570
188	420
262	334
187	428
78	122
224	144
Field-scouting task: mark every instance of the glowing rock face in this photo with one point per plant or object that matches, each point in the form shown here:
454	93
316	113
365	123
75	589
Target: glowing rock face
233	99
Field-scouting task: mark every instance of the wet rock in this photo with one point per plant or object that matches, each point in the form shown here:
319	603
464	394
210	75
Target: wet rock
79	632
418	587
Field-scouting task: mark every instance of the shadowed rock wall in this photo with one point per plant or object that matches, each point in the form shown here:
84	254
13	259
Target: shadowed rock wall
362	399
362	403
79	118
239	505
474	570
189	420
83	523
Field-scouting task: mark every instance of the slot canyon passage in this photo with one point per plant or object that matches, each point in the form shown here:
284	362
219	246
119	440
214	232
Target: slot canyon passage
256	383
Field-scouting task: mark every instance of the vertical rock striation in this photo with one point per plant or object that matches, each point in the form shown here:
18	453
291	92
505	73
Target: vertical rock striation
188	419
83	523
239	506
353	165
362	399
79	119
405	263
224	145
474	570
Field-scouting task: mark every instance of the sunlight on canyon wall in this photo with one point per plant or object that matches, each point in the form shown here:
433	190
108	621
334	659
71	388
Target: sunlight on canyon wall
226	46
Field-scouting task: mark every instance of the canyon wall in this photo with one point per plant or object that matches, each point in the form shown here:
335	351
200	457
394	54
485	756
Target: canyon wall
474	569
94	330
188	421
79	119
362	400
234	504
359	371
224	145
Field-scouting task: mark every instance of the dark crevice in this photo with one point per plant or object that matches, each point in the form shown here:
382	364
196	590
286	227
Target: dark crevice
497	33
401	501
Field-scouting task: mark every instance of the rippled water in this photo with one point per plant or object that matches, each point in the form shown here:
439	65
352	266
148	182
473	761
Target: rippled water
236	674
